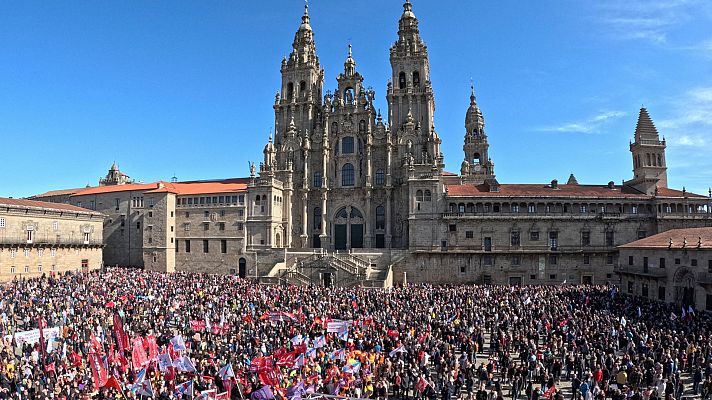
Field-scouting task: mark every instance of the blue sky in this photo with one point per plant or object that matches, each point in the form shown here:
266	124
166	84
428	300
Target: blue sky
166	87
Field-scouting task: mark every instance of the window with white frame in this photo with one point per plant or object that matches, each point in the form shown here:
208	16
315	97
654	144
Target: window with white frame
13	253
39	268
55	226
53	252
86	237
27	252
2	222
12	270
40	252
27	269
30	233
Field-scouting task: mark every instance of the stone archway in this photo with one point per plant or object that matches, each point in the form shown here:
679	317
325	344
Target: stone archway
348	228
684	281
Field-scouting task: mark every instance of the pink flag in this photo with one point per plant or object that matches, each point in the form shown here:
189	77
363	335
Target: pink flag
138	356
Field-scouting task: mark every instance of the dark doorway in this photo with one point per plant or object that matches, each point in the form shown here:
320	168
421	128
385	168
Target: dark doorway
688	296
488	244
242	271
356	236
340	236
326	276
380	240
515	280
316	241
587	280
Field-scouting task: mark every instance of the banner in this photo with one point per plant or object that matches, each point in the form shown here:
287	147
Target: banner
337	326
33	336
138	355
98	370
119	334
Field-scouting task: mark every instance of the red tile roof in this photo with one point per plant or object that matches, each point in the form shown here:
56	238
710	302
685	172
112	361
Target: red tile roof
61	192
116	188
544	190
232	185
678	236
23	203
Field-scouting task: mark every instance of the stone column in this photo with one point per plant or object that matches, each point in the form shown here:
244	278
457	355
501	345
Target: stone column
305	226
388	217
348	228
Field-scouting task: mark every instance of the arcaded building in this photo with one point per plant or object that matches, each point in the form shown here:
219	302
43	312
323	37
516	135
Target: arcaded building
39	238
348	195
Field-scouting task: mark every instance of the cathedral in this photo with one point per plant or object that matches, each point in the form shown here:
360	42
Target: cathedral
345	195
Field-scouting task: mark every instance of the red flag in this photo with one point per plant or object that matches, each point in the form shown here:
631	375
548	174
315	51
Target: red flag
98	370
222	396
113	383
247	318
41	325
50	368
138	356
152	346
95	344
421	385
269	377
393	333
122	341
550	391
75	359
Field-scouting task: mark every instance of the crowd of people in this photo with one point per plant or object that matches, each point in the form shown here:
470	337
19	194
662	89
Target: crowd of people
125	334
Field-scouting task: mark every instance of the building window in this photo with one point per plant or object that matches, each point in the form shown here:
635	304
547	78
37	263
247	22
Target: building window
469	234
534	236
13	253
27	269
206	226
552	277
427	195
419	195
30	234
516	260
553	240
582	209
206	246
223	246
39	268
488	243
634	209
380	217
2	223
514	239
55	226
240	226
709	266
662	262
630	287
609	259
240	213
222	213
515	208
221	226
150	214
585	238
138	225
642	234
12	270
221	199
630	260
316	216
187	246
532	208
463	269
452	228
116	200
708	305
610	239
27	252
693	262
187	226
317	179
644	290
347	175
53	252
586	259
150	201
40	252
150	239
677	261
380	177
347	145
553	259
487	261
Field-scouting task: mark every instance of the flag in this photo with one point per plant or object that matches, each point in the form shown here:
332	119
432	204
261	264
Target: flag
150	343
138	355
311	352
184	388
297	340
684	313
337	354
550	391
222	396
343	335
142	386
113	383
164	361
352	368
226	372
399	349
421	385
207	395
639	313
527	301
295	392
690	311
623	321
299	362
319	342
269	377
673	316
98	370
265	393
178	343
119	334
183	364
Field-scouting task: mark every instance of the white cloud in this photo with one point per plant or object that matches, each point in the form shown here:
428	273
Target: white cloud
648	20
589	125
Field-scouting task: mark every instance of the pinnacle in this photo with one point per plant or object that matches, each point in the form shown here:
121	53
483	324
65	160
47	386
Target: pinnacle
645	128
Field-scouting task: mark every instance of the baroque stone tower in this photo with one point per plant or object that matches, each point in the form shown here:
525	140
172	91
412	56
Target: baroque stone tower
477	167
648	151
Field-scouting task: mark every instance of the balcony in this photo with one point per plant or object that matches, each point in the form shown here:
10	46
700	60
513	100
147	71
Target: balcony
47	241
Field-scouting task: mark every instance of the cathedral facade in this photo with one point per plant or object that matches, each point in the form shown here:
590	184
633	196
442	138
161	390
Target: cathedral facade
347	195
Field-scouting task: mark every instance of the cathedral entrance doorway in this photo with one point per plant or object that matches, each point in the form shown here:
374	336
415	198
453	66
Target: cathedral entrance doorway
348	229
684	281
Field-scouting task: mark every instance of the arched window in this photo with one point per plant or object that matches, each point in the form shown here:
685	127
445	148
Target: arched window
334	127
342	213
317	218
362	126
355	213
427	196
257	200
380	217
419	195
347	175
461	208
660	164
317	179
277	241
476	159
347	146
302	88
290	90
416	78
401	80
647	158
380	177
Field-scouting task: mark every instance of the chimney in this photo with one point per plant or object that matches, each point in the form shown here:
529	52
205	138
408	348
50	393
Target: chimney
611	185
554	184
